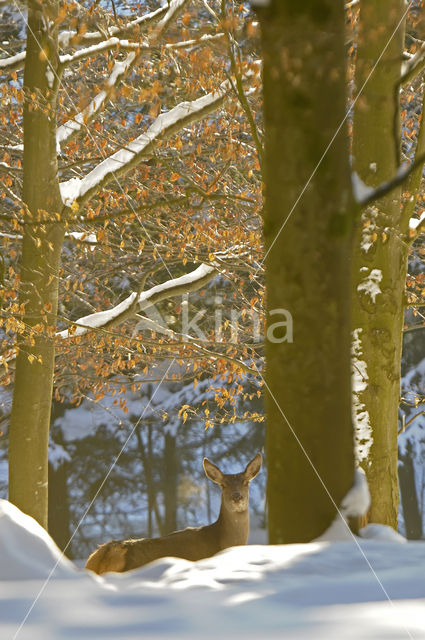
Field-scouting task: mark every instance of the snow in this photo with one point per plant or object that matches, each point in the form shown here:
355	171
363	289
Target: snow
139	301
361	191
82	236
415	222
355	503
65	37
166	124
65	131
369	589
101	318
50	77
370	284
357	500
5	63
174	7
368	218
362	430
70	190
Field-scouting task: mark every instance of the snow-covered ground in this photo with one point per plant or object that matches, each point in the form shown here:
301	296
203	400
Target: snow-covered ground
354	589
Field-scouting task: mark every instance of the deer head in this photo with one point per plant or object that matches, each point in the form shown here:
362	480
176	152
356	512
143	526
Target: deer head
235	487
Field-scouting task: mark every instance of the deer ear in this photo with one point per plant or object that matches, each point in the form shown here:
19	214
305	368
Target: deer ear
212	472
253	467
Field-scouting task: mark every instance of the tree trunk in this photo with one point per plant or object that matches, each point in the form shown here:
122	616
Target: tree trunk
409	496
42	243
307	267
170	483
59	515
380	257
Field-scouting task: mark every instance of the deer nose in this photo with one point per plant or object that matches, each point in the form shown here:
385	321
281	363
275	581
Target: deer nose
236	496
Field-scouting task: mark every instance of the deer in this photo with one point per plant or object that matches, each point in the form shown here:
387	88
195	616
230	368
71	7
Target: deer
193	543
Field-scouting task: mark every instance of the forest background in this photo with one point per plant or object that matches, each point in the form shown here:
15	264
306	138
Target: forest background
132	158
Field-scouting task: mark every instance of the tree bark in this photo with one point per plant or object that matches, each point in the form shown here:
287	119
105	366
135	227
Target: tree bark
29	429
170	483
59	515
380	255
307	267
411	511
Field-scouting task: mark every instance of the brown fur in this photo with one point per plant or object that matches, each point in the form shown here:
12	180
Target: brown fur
110	556
231	528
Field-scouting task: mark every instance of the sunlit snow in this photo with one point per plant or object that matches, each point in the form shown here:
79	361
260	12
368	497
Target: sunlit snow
374	588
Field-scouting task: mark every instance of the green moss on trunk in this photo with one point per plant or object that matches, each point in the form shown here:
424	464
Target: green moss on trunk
380	253
41	250
307	268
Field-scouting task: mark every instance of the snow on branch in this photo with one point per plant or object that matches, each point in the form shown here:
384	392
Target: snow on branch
65	38
413	66
73	38
174	9
71	127
364	195
137	302
119	163
14	62
105	45
120	70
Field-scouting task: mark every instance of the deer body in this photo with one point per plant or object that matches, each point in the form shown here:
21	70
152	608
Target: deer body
194	543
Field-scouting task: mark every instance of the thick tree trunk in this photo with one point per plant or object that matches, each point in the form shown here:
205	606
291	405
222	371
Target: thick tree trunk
42	243
380	257
307	267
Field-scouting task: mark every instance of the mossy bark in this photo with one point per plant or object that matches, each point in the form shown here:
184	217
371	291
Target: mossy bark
309	438
380	252
41	250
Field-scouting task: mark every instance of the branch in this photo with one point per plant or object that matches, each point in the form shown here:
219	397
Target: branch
66	37
174	9
239	90
82	189
73	38
413	66
194	342
415	178
67	130
106	45
14	62
365	195
120	70
409	422
135	303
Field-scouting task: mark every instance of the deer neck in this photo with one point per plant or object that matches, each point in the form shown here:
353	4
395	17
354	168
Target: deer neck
233	527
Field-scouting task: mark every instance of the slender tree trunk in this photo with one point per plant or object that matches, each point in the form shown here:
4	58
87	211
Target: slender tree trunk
41	249
59	515
409	495
170	483
307	266
150	484
380	256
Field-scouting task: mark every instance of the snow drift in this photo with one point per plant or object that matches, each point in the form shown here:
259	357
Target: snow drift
323	590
